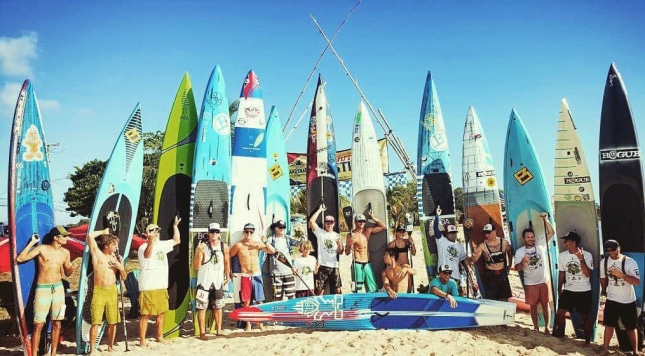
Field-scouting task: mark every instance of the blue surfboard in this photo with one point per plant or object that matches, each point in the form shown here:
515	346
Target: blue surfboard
119	192
31	208
527	197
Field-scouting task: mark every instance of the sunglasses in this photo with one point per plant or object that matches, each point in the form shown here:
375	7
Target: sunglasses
360	221
487	232
447	272
153	230
248	232
280	227
213	231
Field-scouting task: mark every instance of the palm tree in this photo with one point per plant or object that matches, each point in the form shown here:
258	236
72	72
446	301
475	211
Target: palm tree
401	200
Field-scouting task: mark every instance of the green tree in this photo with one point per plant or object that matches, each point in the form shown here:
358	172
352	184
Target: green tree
299	203
458	193
402	199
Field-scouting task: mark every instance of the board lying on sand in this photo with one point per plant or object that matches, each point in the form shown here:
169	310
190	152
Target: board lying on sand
369	311
621	181
31	208
118	192
434	174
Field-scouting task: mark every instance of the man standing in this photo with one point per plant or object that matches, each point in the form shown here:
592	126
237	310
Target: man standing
618	276
106	264
213	266
450	251
532	261
247	251
575	267
329	246
357	241
49	296
153	280
283	280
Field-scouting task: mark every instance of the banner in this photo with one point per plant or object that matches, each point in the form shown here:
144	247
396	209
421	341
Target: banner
298	164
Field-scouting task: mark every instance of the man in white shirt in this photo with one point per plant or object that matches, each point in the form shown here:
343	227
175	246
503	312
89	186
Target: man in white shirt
575	267
532	261
153	279
329	246
618	276
451	252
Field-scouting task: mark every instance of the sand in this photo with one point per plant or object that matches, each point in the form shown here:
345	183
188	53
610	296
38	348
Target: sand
517	339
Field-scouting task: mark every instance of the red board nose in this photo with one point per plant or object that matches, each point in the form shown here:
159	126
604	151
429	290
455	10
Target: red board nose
244	313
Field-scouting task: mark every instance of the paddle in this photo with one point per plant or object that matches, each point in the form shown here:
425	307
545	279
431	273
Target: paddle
408	229
348	215
125	328
284	260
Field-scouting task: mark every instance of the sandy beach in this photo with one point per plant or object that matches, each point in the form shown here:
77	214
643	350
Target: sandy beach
517	339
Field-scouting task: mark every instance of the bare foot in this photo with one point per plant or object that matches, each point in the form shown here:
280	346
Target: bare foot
110	349
143	344
260	326
203	337
546	331
162	341
247	328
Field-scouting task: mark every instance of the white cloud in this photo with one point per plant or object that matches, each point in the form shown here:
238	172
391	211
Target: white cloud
9	95
49	105
16	54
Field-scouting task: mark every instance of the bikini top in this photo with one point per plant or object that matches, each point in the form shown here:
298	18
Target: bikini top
495	257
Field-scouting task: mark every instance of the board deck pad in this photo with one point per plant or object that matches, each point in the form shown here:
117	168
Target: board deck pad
211	203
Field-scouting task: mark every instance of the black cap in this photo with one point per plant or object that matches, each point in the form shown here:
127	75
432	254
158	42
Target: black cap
572	236
612	244
400	227
280	223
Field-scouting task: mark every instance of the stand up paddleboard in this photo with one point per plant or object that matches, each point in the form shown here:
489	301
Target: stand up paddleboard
621	182
172	198
574	205
31	208
481	194
278	188
367	186
372	311
322	171
115	207
248	177
211	176
434	174
527	198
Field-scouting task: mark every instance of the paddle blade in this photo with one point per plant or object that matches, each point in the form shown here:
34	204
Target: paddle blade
283	259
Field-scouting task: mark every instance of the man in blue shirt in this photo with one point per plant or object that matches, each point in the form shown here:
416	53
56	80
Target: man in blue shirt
444	286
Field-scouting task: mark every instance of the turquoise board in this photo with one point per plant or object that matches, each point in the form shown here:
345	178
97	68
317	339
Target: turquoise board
434	173
527	197
31	207
119	191
209	195
278	187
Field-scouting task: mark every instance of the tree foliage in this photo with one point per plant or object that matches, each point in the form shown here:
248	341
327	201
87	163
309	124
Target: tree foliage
402	199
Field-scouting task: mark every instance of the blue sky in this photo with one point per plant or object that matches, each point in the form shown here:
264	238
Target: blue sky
91	62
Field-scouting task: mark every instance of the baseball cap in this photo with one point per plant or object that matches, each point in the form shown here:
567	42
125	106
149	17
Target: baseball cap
249	226
571	236
401	227
445	268
451	228
612	244
329	218
152	227
213	227
59	230
489	227
360	217
280	223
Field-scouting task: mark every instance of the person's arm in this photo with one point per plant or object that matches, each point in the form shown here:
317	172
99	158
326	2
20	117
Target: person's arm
477	252
312	222
234	249
509	254
228	276
68	267
380	226
521	262
583	263
603	279
631	279
91	240
406	269
349	242
148	251
28	253
199	255
413	248
549	228
561	276
267	248
386	286
435	226
339	244
117	266
175	234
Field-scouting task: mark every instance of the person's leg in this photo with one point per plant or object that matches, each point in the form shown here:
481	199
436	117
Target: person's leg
609	332
143	328
289	286
55	336
546	312
218	320
201	321
633	339
35	338
559	325
276	280
370	280
534	317
94	331
111	335
160	320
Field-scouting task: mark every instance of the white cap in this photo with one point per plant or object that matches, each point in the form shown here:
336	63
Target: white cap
488	227
214	226
451	228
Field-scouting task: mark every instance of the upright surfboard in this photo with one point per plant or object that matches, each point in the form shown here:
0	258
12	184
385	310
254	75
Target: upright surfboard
481	193
31	208
374	311
368	190
249	166
322	170
621	180
527	198
118	192
434	174
574	204
211	174
278	187
172	198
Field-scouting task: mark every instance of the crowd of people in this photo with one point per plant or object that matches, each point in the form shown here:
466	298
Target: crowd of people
307	275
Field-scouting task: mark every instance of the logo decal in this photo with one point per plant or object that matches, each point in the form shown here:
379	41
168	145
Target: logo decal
275	171
624	154
577	180
34	144
133	135
523	176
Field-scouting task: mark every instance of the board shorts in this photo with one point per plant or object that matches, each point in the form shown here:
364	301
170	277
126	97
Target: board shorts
581	301
153	302
303	294
49	298
105	300
627	313
327	273
363	274
536	294
283	282
496	285
251	288
215	298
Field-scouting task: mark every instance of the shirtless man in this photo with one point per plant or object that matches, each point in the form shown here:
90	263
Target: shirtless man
395	276
247	251
358	241
106	264
49	296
